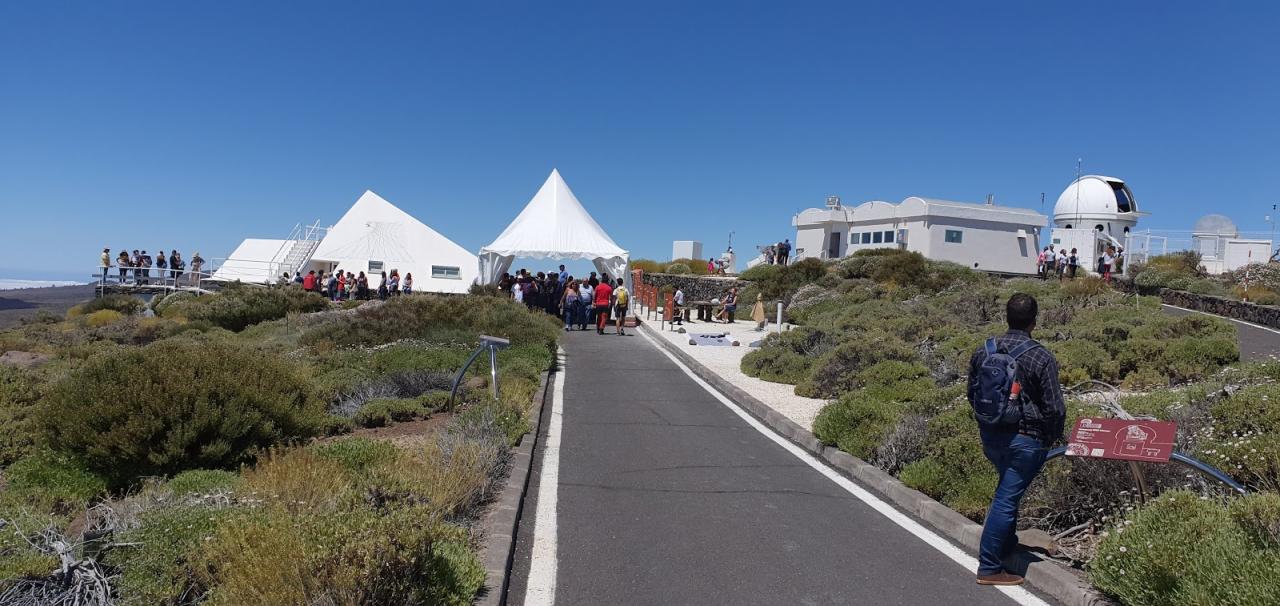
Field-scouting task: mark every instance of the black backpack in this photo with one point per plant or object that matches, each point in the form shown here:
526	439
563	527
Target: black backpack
992	405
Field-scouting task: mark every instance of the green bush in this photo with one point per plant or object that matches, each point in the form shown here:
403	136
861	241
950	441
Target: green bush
954	470
454	575
52	482
176	405
779	282
648	266
787	357
1245	441
19	392
857	424
357	455
1184	550
152	562
124	304
839	370
431	315
237	307
385	411
203	481
102	317
678	269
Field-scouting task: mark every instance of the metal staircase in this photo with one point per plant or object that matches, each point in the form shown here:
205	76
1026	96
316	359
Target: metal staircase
302	243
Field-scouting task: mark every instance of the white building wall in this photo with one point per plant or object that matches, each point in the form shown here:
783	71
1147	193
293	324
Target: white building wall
811	241
984	246
1238	253
686	249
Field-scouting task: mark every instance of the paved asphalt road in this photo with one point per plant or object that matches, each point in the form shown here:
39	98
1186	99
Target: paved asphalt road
668	497
1256	342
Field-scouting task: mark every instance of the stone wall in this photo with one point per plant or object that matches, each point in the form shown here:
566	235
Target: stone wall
696	288
1266	315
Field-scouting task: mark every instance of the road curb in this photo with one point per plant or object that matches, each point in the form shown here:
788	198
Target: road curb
501	523
1048	577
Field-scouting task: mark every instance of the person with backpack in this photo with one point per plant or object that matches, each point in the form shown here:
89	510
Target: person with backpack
621	300
1017	401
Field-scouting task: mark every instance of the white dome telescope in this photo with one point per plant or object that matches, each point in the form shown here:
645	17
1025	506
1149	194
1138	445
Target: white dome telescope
1096	200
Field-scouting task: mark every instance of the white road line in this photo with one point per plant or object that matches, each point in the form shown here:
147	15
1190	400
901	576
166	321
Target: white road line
1205	313
1017	594
541	589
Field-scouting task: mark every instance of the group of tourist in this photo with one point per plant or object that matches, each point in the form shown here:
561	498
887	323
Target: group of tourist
593	300
340	285
140	267
778	254
1064	265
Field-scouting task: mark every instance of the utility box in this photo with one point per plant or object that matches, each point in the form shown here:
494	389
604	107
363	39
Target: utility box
686	249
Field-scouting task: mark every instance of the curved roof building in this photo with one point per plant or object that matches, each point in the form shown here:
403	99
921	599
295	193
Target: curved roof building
1094	200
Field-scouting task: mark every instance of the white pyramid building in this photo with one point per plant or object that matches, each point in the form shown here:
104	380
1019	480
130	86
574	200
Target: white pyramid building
553	225
376	236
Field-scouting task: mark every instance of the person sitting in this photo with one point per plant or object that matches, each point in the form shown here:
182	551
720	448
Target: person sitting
406	287
730	306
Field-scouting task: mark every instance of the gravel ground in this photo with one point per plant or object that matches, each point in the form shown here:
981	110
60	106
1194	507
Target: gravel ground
726	362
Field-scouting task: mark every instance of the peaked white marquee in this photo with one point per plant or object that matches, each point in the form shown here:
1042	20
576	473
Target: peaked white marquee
553	225
375	236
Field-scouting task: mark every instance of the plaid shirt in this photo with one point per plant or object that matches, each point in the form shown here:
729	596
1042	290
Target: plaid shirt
1038	374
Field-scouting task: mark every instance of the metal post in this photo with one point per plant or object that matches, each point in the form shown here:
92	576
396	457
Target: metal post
779	317
493	369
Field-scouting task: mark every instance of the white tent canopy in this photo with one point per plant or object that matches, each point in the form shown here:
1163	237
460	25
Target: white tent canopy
376	236
554	225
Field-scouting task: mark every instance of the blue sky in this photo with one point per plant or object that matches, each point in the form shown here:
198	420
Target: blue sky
153	125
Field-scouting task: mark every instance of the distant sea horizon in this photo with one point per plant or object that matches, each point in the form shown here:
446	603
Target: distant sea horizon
16	283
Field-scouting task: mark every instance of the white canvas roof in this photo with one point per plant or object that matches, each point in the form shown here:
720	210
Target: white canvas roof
375	230
553	224
256	261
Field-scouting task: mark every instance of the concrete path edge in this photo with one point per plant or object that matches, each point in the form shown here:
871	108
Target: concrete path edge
501	522
1048	577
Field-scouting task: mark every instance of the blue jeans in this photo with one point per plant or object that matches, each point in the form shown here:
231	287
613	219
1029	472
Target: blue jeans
570	313
1017	459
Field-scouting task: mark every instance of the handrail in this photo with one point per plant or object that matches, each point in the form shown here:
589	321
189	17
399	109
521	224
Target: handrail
493	344
1182	459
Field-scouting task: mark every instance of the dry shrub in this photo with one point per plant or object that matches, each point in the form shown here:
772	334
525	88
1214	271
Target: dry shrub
102	317
300	480
450	475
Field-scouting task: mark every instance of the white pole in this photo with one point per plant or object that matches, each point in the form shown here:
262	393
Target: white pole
779	316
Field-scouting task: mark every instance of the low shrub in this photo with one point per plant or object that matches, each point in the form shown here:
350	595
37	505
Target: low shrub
779	282
1258	295
102	317
176	405
20	390
203	481
52	482
839	370
787	357
857	424
454	575
678	269
429	315
124	304
954	470
1183	549
357	455
237	307
385	411
648	266
152	562
301	481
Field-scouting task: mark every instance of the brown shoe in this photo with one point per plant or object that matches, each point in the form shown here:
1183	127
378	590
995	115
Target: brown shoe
1000	578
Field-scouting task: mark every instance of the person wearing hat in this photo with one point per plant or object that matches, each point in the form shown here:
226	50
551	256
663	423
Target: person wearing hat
106	263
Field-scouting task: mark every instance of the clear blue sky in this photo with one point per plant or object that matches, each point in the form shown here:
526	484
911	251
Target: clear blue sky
135	124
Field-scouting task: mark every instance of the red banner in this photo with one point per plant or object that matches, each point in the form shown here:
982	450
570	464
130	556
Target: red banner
1150	441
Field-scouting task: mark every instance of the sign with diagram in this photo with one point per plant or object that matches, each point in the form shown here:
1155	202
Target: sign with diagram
1132	440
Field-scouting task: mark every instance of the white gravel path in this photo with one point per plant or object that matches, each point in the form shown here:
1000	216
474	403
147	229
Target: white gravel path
726	362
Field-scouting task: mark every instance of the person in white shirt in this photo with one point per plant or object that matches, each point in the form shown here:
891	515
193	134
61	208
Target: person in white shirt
1061	265
677	300
517	292
1108	258
586	294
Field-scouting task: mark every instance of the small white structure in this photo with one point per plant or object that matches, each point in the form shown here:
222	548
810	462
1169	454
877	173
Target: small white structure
1221	249
373	236
1092	213
986	237
553	225
686	249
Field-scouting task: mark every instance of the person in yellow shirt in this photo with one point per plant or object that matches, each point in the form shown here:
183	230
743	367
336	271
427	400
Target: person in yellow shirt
621	299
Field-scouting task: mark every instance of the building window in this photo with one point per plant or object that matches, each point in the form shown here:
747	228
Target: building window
447	273
877	237
866	237
954	236
1124	203
375	267
853	238
888	237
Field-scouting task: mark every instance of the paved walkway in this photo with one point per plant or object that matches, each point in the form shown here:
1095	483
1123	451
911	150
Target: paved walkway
665	495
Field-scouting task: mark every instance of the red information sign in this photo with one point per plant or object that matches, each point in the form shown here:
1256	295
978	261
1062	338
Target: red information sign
1150	441
668	307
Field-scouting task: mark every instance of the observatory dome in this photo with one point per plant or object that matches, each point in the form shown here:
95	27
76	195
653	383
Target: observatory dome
1215	225
1095	197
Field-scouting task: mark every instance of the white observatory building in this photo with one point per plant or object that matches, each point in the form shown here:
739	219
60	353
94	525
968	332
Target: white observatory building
1222	249
1092	213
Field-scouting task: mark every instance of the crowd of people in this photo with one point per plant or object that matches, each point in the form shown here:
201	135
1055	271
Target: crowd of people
595	300
339	285
1064	265
140	267
778	254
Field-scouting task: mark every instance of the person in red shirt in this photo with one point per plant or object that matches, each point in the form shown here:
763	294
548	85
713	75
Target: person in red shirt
309	282
603	296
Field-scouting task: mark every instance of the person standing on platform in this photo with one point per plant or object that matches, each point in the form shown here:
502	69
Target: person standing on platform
106	263
122	260
603	297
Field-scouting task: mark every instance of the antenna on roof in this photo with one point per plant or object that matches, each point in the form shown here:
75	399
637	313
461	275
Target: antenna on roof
991	199
833	201
1079	161
1041	200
